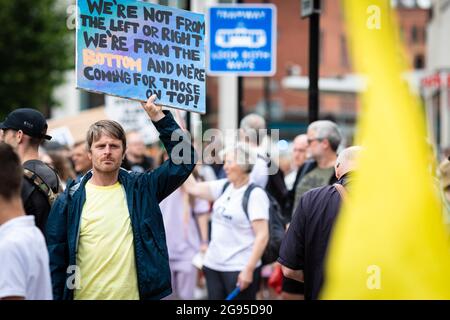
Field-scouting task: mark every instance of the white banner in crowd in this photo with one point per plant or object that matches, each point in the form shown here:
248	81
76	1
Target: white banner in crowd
62	135
131	116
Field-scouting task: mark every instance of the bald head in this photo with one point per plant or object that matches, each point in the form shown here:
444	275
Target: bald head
250	128
253	121
347	160
299	151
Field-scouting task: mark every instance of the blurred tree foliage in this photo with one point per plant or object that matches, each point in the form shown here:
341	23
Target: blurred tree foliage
36	48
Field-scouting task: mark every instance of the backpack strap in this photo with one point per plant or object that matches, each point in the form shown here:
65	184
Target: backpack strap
342	191
40	185
225	186
246	198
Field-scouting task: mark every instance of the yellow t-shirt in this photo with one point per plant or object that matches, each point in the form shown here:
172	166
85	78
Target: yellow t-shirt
105	250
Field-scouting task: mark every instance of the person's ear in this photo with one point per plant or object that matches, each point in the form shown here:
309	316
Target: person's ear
19	136
336	170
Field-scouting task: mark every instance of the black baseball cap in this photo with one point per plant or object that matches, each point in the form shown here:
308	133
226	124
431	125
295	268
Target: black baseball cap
30	121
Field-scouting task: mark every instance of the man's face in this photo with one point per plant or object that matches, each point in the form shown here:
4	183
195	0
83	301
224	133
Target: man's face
10	137
106	154
80	159
315	144
299	152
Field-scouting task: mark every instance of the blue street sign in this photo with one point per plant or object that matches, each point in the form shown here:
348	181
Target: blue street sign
242	40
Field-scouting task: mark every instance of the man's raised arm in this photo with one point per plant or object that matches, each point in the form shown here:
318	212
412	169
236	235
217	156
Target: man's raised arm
174	171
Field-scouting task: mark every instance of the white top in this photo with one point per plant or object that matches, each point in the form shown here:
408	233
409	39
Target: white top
232	235
289	180
260	172
24	266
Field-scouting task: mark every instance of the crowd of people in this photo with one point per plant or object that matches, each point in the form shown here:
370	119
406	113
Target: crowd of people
103	220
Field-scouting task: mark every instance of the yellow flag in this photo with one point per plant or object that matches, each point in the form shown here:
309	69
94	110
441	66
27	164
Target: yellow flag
389	241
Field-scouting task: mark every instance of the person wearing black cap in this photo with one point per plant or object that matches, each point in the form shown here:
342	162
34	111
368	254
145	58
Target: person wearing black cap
25	129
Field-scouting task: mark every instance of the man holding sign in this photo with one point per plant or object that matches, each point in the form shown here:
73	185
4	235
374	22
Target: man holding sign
105	234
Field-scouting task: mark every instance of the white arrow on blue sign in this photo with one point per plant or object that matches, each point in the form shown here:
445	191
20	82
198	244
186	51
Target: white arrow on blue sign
242	40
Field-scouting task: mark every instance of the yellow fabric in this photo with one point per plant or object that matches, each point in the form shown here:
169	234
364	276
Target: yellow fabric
105	251
389	242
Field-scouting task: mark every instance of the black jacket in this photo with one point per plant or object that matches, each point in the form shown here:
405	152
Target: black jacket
306	241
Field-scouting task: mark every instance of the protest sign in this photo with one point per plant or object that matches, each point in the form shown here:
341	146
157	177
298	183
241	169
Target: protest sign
133	49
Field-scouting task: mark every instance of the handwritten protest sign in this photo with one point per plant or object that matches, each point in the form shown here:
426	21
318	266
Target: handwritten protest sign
133	49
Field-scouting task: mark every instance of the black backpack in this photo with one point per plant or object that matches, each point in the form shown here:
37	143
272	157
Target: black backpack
276	224
276	186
